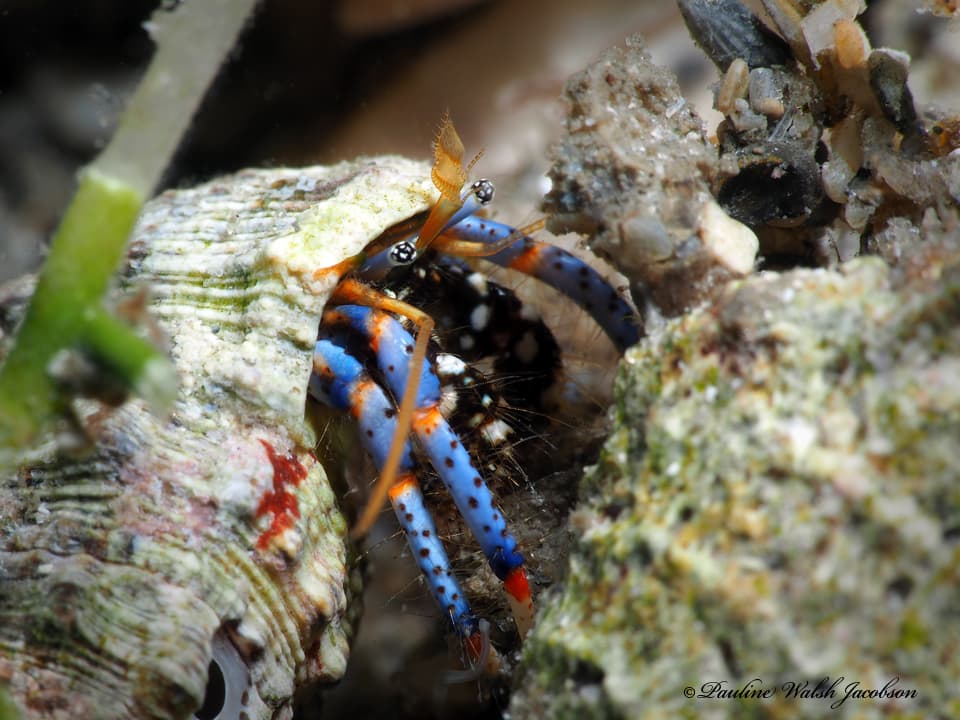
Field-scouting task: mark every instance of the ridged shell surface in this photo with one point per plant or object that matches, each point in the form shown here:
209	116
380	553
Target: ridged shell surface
213	532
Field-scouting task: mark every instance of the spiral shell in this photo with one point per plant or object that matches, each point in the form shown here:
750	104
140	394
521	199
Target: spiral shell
213	533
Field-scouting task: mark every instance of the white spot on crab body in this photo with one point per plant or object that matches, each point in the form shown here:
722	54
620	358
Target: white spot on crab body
497	432
480	317
448	401
478	282
448	364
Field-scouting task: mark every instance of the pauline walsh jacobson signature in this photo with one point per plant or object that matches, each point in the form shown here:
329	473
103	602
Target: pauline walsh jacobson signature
839	690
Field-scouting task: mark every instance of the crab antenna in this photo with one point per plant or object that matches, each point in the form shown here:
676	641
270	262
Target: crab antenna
473	162
448	174
388	475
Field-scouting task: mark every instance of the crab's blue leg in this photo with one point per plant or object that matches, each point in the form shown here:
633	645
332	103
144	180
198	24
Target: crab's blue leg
340	381
548	263
350	291
393	346
559	269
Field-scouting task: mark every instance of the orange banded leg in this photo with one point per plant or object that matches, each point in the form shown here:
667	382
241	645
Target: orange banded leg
553	266
351	291
340	381
391	342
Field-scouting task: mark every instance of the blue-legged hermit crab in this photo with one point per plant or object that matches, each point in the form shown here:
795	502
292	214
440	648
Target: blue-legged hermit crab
406	377
212	536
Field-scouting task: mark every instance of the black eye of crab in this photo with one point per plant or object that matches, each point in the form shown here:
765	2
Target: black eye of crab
483	190
403	253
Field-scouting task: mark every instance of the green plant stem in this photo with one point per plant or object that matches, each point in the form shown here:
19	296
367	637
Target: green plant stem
131	358
83	256
66	310
8	711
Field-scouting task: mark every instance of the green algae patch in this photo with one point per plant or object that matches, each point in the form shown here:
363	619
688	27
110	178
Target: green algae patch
777	509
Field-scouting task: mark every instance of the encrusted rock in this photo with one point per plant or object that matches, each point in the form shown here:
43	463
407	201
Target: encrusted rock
778	504
830	144
635	171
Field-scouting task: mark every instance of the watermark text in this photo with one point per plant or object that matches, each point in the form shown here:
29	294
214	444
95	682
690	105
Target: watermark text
838	690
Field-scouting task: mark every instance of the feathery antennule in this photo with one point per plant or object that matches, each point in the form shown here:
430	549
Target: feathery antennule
449	178
448	173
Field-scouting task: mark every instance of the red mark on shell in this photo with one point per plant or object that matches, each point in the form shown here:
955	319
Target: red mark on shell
281	501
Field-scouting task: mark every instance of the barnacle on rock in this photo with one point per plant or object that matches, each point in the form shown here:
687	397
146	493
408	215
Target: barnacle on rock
212	534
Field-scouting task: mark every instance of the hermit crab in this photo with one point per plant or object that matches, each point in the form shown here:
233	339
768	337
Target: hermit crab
368	364
209	543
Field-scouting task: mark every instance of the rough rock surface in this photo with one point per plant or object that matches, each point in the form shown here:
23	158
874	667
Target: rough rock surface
779	501
634	171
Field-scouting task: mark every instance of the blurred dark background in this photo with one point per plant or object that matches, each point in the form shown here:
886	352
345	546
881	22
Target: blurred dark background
327	80
310	82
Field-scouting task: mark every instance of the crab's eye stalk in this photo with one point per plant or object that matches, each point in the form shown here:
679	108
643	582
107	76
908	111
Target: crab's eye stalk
403	253
483	191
